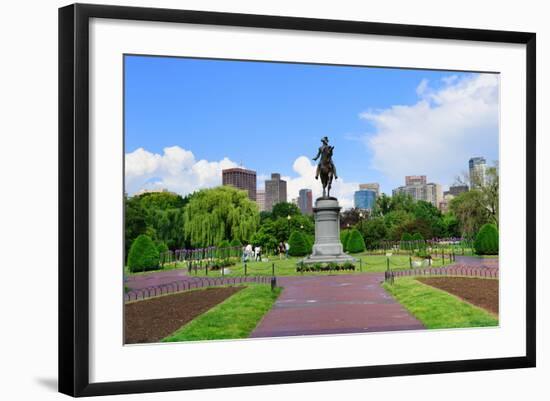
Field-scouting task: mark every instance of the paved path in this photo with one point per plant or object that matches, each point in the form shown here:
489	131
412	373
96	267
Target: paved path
476	262
334	304
154	279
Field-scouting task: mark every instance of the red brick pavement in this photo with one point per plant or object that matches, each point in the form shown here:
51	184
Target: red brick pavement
334	304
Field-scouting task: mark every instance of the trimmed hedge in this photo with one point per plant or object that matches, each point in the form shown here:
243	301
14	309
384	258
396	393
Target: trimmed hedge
236	242
344	237
325	267
486	242
417	237
143	254
299	245
355	243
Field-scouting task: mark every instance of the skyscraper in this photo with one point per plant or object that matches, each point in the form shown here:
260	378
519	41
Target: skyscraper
260	199
241	178
373	186
457	189
305	201
275	191
364	199
419	189
478	166
415	180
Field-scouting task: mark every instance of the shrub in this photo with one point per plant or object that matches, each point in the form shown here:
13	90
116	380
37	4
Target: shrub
406	239
143	254
235	242
310	241
163	249
299	245
419	240
486	242
344	237
355	242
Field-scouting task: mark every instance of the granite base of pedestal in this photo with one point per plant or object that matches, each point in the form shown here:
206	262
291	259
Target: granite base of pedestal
327	247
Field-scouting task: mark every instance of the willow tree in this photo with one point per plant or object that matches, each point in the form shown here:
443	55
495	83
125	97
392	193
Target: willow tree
217	214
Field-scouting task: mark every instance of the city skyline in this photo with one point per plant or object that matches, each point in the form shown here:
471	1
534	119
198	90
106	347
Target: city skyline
187	119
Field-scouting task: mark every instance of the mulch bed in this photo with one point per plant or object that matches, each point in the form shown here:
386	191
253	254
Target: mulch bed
153	319
477	291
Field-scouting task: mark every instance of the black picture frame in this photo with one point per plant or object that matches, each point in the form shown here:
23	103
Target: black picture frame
74	198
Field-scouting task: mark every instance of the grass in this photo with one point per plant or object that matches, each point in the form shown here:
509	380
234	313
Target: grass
437	309
287	267
236	317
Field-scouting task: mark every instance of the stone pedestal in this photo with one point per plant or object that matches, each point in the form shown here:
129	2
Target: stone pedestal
327	246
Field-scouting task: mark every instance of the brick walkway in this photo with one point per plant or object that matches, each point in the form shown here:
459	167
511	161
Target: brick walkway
334	304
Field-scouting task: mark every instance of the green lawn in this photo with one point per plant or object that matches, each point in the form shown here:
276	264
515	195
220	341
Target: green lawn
437	309
236	317
287	267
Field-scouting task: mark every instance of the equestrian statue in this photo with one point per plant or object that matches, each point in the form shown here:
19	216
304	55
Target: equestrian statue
325	168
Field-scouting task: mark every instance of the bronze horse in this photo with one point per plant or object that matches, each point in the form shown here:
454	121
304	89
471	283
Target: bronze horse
326	170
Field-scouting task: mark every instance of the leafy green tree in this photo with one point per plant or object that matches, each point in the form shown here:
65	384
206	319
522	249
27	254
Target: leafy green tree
284	209
143	254
162	200
382	206
471	211
215	214
235	242
451	225
266	241
402	201
486	242
355	243
299	245
491	193
374	231
350	217
134	221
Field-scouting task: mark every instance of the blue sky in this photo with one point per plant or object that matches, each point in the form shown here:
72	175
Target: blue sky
267	115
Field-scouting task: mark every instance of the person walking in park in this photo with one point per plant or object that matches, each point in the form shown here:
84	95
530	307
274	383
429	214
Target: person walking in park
258	253
287	247
248	252
281	250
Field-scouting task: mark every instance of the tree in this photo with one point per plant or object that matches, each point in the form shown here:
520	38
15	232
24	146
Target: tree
134	221
235	242
215	214
451	225
355	243
491	192
162	200
299	245
382	205
284	209
351	217
471	211
143	254
266	241
374	231
486	242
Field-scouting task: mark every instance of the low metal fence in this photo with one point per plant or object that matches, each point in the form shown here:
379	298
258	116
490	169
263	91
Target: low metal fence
194	283
453	271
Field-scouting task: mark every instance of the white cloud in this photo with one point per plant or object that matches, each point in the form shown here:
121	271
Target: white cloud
176	170
305	169
437	135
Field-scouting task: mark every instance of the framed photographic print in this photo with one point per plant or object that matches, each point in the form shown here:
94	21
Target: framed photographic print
251	199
